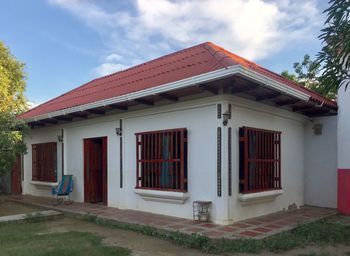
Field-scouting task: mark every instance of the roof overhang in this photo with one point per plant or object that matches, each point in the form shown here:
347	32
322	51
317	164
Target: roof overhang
139	96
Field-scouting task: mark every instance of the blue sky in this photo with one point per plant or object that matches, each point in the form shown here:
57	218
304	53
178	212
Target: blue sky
66	43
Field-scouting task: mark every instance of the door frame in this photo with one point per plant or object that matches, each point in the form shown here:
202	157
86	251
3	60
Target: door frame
86	154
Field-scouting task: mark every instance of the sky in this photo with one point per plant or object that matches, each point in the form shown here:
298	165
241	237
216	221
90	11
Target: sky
66	43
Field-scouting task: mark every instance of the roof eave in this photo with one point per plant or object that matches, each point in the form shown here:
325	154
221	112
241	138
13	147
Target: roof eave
184	83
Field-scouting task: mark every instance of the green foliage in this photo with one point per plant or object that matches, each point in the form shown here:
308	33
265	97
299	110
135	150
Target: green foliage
307	73
12	83
289	76
12	103
11	143
335	54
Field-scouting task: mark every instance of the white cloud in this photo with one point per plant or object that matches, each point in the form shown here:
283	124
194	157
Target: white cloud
32	104
254	29
114	57
109	68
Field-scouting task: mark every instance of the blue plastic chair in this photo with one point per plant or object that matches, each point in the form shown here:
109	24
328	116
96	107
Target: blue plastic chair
64	188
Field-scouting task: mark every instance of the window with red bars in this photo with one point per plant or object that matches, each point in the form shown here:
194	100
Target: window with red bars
44	162
162	160
259	160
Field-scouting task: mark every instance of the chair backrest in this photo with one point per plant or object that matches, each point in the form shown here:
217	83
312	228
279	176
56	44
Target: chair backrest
66	185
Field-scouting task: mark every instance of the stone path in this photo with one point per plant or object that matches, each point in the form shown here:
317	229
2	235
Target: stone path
252	228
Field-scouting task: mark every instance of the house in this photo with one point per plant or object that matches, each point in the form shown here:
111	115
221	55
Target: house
198	124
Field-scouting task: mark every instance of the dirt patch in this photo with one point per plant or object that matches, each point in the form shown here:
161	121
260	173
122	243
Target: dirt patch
11	208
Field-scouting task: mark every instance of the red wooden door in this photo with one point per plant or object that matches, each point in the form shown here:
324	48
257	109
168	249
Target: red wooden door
87	170
95	170
16	179
104	170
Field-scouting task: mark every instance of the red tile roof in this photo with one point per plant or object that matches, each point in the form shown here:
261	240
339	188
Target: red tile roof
183	64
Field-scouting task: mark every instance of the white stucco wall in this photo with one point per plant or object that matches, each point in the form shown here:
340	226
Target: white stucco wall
36	136
200	118
321	163
253	114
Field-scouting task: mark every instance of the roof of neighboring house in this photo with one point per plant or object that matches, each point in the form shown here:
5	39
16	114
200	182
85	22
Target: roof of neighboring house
193	61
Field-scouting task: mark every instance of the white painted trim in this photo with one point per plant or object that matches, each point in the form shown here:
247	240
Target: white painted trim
162	196
268	82
135	113
191	81
44	183
260	197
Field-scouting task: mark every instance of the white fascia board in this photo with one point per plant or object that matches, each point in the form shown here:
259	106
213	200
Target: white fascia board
273	84
188	82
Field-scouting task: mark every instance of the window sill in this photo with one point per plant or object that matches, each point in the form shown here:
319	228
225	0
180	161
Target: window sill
162	196
44	183
260	197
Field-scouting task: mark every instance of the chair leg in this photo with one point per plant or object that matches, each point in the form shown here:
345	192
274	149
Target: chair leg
68	199
55	200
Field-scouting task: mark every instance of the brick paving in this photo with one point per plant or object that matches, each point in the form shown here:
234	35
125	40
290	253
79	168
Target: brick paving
256	228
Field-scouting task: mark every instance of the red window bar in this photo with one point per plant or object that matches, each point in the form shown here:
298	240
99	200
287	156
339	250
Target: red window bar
260	160
44	162
162	160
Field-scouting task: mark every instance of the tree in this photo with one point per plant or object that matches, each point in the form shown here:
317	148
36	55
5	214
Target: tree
11	143
12	103
307	73
335	54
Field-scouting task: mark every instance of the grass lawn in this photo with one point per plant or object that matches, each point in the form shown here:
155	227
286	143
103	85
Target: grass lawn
319	234
30	239
90	236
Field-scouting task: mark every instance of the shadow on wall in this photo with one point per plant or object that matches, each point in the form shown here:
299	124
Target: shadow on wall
5	183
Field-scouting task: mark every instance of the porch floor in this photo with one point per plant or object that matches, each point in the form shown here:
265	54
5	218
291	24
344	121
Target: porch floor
257	228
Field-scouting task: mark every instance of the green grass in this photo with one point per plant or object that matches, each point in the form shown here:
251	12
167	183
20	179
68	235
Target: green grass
319	233
30	239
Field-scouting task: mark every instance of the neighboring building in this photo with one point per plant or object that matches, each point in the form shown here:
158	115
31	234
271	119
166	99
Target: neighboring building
343	151
198	124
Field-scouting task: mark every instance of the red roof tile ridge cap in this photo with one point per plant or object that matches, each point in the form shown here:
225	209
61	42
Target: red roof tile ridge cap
233	56
225	60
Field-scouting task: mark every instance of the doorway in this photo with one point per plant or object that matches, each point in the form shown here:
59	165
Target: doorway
95	170
16	177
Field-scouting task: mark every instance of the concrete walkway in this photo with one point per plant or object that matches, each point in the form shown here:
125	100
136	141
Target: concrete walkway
252	228
24	216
